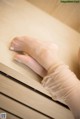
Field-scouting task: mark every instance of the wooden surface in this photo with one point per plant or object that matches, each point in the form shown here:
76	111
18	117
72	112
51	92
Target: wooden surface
19	18
9	116
33	99
19	110
68	13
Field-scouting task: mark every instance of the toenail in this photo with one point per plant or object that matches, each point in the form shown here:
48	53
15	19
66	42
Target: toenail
11	48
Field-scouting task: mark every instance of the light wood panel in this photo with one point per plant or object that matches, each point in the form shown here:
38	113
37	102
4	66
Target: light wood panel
21	18
68	13
19	110
33	99
9	116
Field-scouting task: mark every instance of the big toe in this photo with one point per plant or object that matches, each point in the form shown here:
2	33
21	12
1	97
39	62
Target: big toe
17	44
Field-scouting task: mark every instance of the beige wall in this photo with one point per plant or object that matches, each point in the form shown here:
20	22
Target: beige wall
69	13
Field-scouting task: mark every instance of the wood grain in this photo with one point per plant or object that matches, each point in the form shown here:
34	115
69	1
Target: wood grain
19	18
68	13
9	116
33	99
19	110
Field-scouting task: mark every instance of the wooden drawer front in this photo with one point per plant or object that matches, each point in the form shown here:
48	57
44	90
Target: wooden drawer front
33	99
9	116
18	109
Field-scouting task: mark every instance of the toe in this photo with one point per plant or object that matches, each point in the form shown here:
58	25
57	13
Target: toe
17	44
31	63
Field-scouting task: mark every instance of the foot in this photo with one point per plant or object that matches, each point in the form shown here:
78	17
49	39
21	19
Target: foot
44	53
